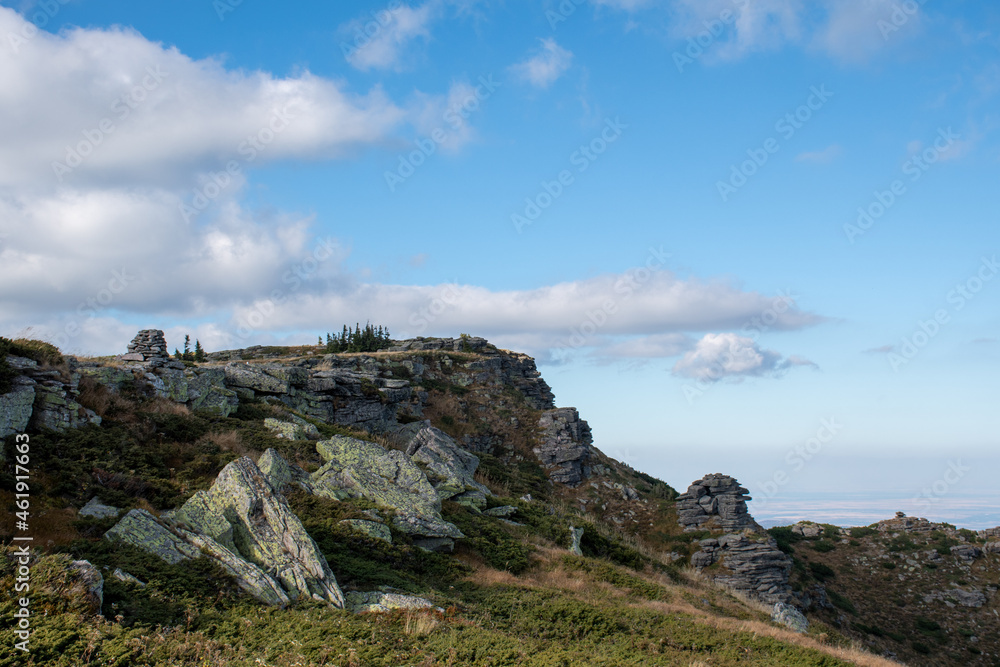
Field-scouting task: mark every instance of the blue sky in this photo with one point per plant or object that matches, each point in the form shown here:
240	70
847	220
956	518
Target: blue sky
621	190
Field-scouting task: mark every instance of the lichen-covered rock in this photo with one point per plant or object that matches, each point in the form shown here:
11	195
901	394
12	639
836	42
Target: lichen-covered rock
268	379
377	602
451	469
973	599
244	514
281	474
98	510
575	535
374	529
297	429
88	585
565	446
504	511
16	407
207	392
966	553
56	410
807	529
126	578
361	469
715	502
790	617
141	529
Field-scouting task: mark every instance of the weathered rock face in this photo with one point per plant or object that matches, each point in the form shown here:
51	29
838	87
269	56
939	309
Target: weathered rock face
750	560
16	406
752	565
244	514
450	469
294	429
966	553
973	599
360	469
565	446
245	526
715	502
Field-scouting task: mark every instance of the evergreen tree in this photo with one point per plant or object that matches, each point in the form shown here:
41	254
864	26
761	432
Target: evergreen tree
187	349
199	351
177	354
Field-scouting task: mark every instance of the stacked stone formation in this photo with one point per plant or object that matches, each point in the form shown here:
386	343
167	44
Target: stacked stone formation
148	346
717	500
565	447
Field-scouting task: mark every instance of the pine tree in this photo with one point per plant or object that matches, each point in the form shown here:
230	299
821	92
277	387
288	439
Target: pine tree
177	354
199	351
187	349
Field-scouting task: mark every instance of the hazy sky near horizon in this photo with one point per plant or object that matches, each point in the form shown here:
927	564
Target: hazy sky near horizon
720	225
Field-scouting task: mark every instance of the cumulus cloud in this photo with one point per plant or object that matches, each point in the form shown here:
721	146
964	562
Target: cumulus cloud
727	355
545	67
381	41
747	27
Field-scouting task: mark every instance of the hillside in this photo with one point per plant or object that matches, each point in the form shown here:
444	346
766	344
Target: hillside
425	504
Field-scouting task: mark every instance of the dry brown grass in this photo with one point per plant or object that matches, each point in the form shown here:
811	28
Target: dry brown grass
854	654
230	441
498	487
103	401
420	623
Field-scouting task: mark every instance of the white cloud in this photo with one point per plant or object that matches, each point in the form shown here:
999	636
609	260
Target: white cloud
728	355
542	69
854	30
381	41
825	156
651	347
141	113
747	27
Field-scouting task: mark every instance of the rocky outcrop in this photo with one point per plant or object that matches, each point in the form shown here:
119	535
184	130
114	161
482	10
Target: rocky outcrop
294	429
281	474
380	602
244	514
973	599
245	526
966	553
575	535
790	617
450	469
564	446
749	564
373	529
95	509
360	469
715	502
16	406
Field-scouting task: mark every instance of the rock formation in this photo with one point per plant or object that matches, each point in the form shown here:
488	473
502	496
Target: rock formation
246	527
749	559
149	348
715	502
451	469
360	469
565	446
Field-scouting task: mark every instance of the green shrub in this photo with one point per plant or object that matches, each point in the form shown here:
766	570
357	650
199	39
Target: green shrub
822	571
889	565
823	546
785	538
921	648
841	602
859	532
